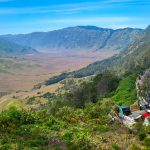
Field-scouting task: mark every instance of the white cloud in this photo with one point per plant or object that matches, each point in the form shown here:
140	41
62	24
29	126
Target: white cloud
63	8
89	20
67	8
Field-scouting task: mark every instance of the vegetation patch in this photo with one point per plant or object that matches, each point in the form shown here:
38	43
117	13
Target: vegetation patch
126	91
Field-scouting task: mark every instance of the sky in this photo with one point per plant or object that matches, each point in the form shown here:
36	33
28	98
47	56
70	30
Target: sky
25	16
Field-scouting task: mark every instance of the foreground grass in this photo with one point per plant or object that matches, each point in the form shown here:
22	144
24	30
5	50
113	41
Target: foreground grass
62	127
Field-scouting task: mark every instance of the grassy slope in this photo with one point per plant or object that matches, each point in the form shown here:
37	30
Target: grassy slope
126	91
57	126
66	128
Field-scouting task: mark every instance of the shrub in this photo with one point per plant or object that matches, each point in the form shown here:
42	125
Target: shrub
115	146
3	140
142	136
37	141
64	112
9	119
5	147
147	129
135	146
32	100
103	139
51	121
73	118
100	128
12	118
68	136
147	142
82	141
24	130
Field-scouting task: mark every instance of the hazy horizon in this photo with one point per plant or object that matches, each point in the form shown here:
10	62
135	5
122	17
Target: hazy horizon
36	31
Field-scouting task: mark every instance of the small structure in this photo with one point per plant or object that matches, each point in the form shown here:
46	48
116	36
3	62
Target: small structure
136	116
129	118
127	121
126	110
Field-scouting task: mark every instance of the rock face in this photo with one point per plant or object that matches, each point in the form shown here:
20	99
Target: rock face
144	84
78	38
9	48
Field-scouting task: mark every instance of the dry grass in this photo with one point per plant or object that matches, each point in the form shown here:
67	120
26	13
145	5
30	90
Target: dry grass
41	67
20	82
18	98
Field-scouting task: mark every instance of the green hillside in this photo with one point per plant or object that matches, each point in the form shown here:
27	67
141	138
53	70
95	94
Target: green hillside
77	118
125	94
9	48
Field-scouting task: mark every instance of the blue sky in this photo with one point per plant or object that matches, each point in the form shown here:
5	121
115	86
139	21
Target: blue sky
24	16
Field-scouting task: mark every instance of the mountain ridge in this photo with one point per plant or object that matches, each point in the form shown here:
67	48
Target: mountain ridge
135	58
74	38
8	48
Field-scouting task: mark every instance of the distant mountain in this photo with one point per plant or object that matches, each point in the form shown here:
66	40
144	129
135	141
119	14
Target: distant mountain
78	38
9	48
134	60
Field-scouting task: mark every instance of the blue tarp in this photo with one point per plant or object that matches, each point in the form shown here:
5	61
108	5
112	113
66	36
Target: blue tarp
148	100
124	107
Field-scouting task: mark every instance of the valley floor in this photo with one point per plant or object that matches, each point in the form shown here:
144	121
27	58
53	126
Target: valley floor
31	70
